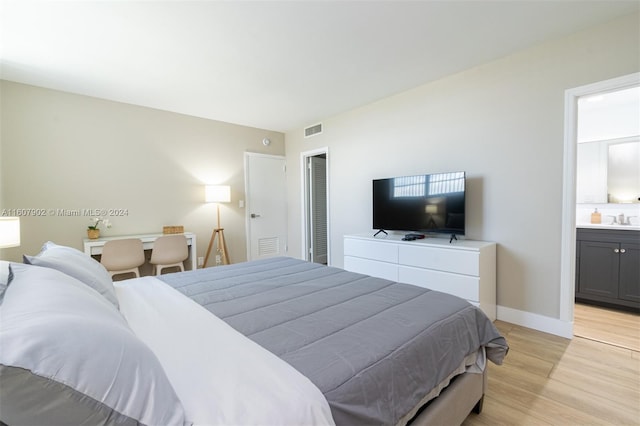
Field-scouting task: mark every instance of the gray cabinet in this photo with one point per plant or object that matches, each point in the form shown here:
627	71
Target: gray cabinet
608	267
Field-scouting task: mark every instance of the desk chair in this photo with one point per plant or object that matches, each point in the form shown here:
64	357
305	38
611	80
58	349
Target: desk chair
123	256
169	251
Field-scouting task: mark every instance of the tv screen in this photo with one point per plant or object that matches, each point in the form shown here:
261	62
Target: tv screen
422	203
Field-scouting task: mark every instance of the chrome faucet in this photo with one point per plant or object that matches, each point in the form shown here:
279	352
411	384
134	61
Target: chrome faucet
620	219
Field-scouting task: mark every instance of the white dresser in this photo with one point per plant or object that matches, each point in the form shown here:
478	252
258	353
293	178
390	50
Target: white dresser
464	268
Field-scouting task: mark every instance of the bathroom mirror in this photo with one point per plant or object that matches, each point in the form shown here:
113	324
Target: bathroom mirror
623	172
608	171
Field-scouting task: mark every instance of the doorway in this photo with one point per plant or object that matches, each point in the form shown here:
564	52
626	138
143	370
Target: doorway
568	249
315	198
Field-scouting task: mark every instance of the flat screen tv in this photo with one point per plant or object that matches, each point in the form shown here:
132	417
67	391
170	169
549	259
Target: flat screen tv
423	203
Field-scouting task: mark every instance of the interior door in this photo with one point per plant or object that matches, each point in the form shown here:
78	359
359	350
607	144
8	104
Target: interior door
266	209
318	208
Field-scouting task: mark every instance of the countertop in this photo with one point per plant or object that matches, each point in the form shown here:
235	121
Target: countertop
616	226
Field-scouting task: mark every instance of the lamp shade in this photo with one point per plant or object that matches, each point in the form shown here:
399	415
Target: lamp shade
9	232
431	208
217	193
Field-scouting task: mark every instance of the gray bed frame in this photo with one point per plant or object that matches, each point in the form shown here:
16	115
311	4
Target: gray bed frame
454	404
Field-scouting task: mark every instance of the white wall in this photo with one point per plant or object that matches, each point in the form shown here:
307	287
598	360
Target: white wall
66	151
503	124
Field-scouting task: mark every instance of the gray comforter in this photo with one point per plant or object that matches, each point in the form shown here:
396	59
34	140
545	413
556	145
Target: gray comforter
373	347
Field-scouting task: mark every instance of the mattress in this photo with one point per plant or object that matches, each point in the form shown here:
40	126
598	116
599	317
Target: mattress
373	347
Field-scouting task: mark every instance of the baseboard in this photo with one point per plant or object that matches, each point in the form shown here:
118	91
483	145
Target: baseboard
536	321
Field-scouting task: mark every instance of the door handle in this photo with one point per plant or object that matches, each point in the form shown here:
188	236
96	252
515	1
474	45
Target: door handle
623	250
253	215
616	250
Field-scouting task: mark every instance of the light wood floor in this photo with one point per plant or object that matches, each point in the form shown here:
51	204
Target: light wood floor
616	328
548	380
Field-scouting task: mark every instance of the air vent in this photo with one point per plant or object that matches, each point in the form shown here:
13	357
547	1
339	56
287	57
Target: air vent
268	246
313	130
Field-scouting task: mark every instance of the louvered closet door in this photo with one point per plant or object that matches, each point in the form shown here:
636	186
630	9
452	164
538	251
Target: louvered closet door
318	196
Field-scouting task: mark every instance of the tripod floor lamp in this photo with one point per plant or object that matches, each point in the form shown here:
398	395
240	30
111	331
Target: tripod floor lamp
218	194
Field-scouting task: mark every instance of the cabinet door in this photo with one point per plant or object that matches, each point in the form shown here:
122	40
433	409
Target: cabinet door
630	272
599	264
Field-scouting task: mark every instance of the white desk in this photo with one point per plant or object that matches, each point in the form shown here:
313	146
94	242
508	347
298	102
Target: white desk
93	247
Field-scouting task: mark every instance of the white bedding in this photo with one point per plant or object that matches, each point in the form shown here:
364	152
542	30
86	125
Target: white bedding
221	376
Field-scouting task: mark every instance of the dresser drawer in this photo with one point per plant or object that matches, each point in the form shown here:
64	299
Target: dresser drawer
375	250
374	268
449	260
464	286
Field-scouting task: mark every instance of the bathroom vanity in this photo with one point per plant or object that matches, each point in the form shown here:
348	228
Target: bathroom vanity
608	266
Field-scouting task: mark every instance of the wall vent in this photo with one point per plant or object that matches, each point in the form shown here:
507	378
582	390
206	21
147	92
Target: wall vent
313	130
268	246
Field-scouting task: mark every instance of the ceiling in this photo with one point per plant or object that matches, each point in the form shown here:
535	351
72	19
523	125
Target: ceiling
278	65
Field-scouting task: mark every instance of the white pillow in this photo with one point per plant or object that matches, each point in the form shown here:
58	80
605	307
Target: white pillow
69	357
77	264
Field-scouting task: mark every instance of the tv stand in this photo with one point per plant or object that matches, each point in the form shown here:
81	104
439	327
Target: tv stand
379	231
466	269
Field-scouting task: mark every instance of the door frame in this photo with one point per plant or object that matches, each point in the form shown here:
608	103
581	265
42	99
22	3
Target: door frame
247	204
568	237
304	197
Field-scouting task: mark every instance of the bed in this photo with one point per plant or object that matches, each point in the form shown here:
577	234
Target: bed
275	341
